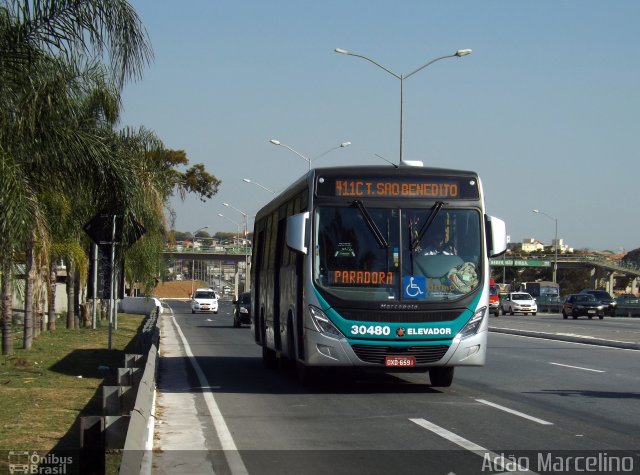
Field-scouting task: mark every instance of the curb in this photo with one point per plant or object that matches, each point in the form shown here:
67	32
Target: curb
571	338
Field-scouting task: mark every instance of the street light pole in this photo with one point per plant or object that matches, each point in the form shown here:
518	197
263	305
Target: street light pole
246	250
193	259
458	54
277	142
555	244
237	239
246	180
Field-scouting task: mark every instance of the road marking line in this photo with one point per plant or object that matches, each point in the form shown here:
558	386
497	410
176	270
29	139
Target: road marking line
517	413
236	465
468	445
578	367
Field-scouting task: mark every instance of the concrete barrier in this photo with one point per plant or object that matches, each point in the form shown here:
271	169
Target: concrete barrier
629	310
139	426
139	305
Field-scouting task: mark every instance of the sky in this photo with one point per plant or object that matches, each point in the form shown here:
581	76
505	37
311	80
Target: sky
546	109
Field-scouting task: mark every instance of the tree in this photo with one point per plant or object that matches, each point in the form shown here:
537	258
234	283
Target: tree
45	142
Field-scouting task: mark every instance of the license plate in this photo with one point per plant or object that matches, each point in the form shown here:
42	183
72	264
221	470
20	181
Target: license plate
204	308
592	311
400	361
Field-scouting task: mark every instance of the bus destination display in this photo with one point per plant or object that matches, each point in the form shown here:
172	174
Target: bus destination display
421	187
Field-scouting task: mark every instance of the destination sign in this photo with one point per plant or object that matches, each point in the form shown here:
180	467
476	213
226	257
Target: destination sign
405	187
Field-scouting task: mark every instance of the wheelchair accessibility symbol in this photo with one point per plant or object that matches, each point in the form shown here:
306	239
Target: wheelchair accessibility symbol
414	287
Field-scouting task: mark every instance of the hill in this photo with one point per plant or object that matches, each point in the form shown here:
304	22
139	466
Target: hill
177	289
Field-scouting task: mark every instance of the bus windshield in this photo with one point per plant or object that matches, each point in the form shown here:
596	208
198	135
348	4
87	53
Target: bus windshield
382	254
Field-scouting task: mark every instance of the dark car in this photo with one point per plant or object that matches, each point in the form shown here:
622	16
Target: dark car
582	305
604	297
242	309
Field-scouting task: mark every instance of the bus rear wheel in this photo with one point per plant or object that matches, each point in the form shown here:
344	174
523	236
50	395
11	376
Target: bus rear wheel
441	377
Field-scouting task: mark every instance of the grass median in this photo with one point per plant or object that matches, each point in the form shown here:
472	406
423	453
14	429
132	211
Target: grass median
43	391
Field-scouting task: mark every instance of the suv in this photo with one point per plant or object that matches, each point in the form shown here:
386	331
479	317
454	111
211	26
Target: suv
204	300
606	299
520	302
242	309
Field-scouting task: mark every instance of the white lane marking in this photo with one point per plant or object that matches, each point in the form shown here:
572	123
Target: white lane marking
227	443
512	411
556	340
577	367
470	446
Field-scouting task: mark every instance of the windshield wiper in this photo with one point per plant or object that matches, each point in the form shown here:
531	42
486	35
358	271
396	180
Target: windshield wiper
432	215
382	242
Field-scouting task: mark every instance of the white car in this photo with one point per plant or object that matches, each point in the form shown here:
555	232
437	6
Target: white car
520	302
204	300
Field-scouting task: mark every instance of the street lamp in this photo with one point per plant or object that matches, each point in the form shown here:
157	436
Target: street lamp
246	180
246	251
237	239
457	54
342	145
555	244
193	260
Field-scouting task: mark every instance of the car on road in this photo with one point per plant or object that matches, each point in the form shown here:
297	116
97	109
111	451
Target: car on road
204	300
519	302
242	309
494	301
582	305
604	297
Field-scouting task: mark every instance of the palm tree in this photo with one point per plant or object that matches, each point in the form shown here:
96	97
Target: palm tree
45	142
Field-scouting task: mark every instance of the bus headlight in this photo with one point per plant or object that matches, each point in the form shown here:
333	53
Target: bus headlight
471	328
322	322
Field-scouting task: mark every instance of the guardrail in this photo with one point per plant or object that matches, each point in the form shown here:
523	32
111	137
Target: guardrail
628	310
555	305
141	426
125	423
549	304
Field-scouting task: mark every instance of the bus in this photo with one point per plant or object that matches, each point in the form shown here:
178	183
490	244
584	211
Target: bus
543	291
344	274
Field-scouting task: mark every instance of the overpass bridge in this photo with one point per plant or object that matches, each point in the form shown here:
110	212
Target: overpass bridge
211	264
602	268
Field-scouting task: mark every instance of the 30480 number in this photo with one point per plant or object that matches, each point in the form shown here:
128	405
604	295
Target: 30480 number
377	330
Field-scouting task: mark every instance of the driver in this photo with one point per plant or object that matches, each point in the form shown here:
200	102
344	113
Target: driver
438	240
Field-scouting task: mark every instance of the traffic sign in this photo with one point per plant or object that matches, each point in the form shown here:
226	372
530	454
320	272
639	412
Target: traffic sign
100	230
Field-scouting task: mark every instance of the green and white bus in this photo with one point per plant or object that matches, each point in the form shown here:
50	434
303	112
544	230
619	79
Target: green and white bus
377	268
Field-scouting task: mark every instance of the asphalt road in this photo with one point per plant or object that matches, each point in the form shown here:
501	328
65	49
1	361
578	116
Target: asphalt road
536	407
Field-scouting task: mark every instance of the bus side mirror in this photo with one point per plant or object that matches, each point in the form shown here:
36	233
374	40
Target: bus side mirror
497	236
297	232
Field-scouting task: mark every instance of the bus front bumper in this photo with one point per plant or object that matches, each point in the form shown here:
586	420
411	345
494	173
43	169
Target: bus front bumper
323	350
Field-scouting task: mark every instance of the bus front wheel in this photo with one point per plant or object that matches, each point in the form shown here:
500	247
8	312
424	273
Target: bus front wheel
441	377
